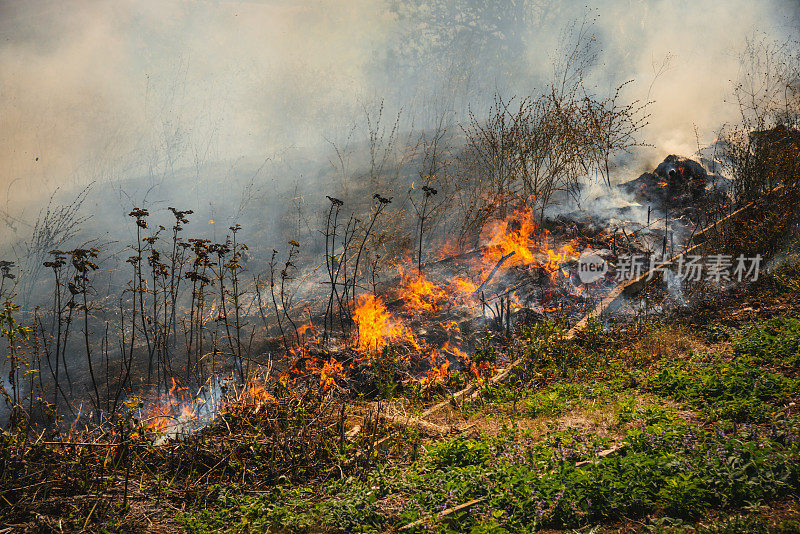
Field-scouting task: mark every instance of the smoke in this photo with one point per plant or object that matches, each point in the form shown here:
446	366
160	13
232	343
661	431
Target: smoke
685	57
99	91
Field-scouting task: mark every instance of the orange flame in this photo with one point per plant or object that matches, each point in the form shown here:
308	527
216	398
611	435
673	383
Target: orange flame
256	394
503	237
465	287
437	374
170	410
518	236
420	295
376	326
555	259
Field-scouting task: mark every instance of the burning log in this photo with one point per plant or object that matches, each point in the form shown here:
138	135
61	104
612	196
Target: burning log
677	181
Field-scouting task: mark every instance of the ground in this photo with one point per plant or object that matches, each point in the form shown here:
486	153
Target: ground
681	424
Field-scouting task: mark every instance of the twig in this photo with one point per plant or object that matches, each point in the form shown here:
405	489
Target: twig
444	513
494	270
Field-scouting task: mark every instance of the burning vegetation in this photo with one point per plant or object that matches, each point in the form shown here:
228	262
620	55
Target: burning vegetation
445	289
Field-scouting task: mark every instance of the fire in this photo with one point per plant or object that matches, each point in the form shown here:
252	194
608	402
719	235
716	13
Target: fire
437	374
520	237
420	294
308	333
376	326
662	184
448	250
555	259
256	394
328	371
481	371
172	409
504	237
465	287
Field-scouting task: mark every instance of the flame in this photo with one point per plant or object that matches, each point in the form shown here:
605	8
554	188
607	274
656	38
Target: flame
328	371
420	295
437	374
480	371
448	250
307	333
520	237
662	184
376	326
554	259
255	394
301	330
503	237
170	410
465	287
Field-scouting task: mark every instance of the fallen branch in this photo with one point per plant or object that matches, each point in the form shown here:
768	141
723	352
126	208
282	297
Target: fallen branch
494	270
445	513
405	422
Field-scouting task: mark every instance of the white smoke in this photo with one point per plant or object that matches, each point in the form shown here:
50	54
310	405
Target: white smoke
95	90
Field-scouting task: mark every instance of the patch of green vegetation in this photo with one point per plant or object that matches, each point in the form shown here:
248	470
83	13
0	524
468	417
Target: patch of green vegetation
556	399
670	469
774	341
717	333
563	397
353	509
629	411
459	452
735	391
502	393
737	524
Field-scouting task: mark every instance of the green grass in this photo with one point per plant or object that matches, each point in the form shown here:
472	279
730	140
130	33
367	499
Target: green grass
737	392
670	469
772	342
563	397
737	524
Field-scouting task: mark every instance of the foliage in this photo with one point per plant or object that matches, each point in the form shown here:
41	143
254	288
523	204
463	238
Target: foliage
735	391
774	341
671	468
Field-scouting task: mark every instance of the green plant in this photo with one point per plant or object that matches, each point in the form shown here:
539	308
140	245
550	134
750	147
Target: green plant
561	397
13	332
459	452
775	340
738	392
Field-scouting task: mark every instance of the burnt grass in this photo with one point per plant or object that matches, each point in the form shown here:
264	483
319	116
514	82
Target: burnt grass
686	422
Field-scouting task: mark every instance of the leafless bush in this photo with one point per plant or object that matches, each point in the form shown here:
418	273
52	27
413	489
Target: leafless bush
525	153
55	226
761	150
